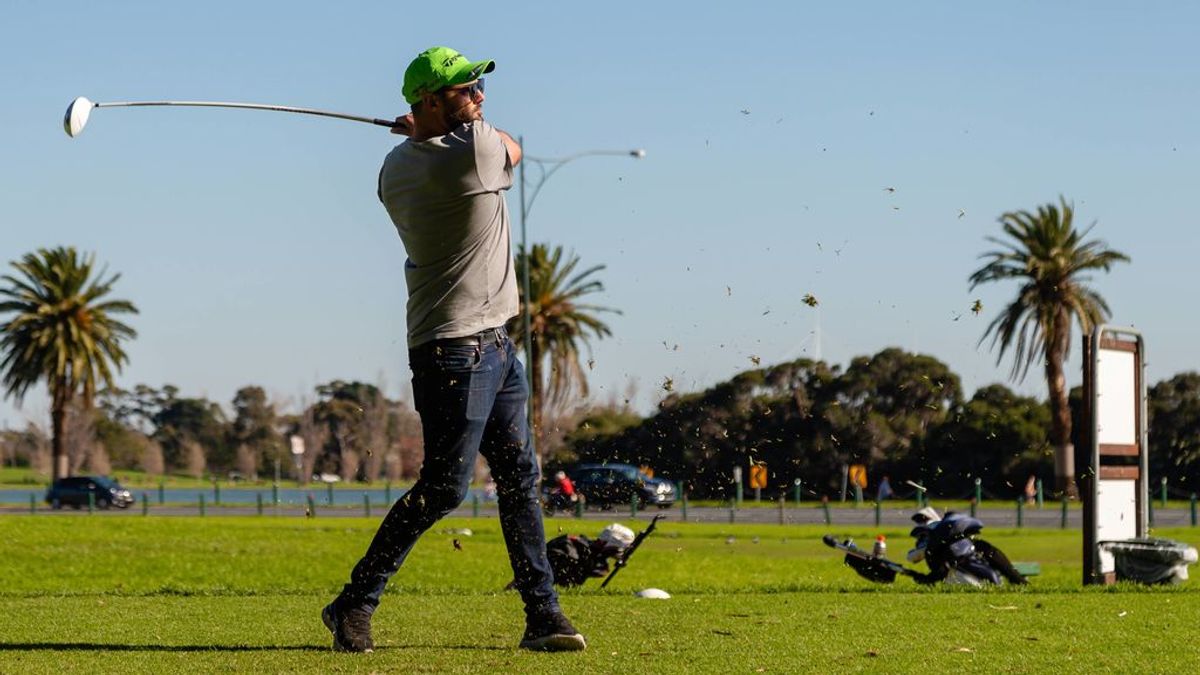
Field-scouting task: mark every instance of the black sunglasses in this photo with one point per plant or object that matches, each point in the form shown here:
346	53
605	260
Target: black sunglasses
474	89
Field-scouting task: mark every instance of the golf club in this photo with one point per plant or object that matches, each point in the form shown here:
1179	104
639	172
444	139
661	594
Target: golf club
81	108
869	566
629	551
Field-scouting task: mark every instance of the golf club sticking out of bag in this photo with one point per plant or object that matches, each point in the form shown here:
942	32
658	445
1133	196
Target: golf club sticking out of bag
869	566
80	110
628	553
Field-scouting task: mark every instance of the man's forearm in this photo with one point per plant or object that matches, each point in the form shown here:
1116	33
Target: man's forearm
514	148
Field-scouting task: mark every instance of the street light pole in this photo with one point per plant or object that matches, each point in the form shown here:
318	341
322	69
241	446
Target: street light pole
547	168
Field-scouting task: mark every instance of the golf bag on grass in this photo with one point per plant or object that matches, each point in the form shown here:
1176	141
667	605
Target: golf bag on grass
955	553
950	546
575	558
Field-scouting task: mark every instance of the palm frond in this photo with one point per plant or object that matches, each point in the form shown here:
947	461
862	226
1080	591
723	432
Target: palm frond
1050	257
58	327
562	327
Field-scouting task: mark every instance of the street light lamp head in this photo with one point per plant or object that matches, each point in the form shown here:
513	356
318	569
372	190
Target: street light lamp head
637	154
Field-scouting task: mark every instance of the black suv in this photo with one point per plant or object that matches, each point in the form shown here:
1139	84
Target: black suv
607	485
74	491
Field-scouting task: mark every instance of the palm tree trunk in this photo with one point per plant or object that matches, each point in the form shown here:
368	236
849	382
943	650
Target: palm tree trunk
1060	411
58	422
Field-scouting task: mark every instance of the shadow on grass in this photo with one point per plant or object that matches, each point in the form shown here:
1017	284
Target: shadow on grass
109	647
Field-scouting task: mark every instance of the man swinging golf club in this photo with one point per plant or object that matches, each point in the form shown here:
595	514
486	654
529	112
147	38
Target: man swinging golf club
443	188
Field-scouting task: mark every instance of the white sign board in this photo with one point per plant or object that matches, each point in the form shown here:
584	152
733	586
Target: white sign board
1116	502
1116	397
1116	515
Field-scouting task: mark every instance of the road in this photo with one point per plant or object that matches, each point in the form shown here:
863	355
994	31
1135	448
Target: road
1048	517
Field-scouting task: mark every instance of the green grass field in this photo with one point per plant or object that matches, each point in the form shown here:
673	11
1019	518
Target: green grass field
168	594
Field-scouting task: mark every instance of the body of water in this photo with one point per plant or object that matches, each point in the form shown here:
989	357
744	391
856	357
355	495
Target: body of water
320	494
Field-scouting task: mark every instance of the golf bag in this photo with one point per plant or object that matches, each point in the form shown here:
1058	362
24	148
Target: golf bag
575	558
956	554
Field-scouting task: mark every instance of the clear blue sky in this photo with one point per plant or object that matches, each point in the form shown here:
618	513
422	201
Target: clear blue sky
256	250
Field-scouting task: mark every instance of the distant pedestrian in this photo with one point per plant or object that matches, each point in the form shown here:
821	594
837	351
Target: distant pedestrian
885	489
443	188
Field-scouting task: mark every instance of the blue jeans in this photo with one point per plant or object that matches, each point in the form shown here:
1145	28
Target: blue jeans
471	399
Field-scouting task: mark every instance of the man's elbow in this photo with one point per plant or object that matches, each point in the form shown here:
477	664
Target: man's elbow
513	148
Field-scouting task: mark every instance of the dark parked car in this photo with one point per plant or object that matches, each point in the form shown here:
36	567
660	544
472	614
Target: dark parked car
607	485
74	491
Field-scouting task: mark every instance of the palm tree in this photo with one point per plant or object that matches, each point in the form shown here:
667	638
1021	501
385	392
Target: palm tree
559	325
1050	259
61	330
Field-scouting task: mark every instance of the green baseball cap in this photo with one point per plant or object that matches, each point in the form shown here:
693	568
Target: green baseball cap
440	67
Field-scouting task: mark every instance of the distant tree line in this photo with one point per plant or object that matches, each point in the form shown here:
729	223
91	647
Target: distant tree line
902	415
351	430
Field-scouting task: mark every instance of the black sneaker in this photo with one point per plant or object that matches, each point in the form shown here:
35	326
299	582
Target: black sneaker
351	628
552	633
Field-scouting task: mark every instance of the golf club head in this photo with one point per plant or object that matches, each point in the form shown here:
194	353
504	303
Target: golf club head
77	116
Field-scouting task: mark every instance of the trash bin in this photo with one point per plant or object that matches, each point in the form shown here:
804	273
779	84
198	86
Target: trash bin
1150	561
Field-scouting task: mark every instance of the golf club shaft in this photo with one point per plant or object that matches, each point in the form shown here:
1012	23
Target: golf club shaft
251	106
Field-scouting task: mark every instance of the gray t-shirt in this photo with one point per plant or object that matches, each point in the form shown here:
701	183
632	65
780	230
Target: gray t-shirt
444	196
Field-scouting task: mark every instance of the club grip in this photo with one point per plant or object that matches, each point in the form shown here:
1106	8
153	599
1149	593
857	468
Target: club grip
830	541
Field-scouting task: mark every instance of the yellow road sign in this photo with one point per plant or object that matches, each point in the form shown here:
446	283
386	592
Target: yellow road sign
758	476
858	475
